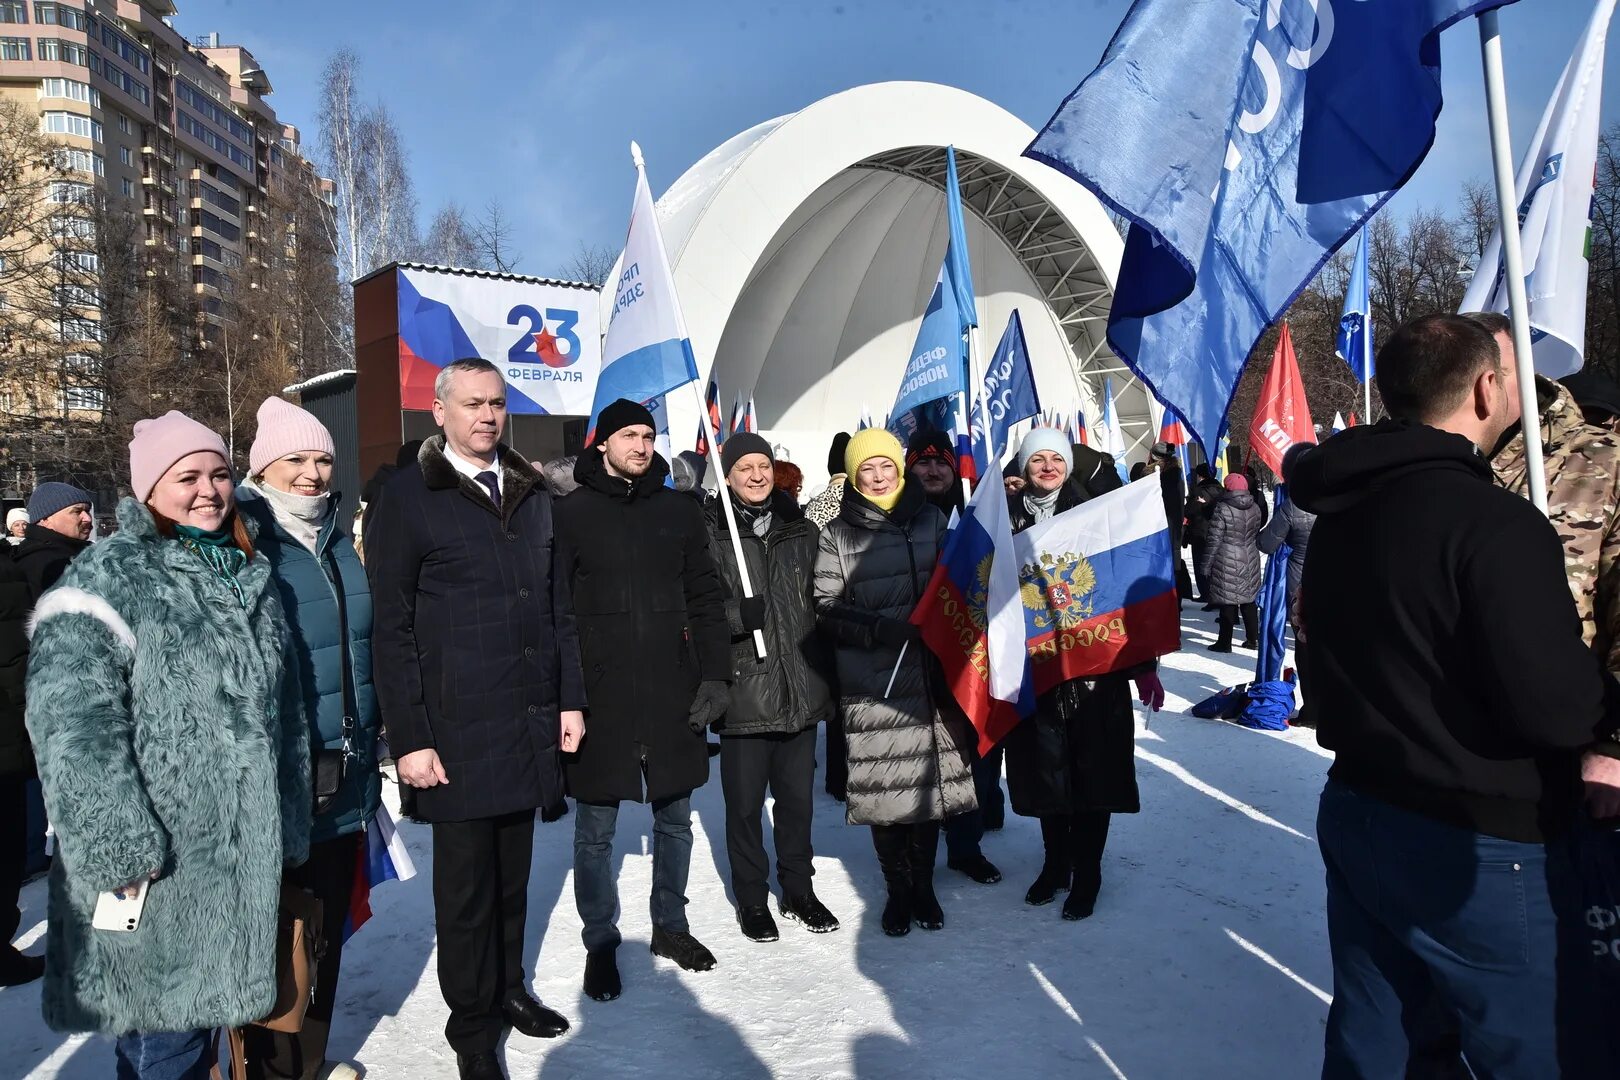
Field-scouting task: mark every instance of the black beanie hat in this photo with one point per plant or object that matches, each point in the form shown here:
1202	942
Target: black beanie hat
835	456
740	445
621	414
930	443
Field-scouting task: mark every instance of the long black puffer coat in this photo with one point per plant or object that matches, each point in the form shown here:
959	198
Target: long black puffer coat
1231	561
16	759
652	625
1078	751
787	691
909	752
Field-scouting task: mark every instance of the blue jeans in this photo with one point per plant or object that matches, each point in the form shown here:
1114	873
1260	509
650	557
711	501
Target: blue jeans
165	1055
1420	914
964	831
596	894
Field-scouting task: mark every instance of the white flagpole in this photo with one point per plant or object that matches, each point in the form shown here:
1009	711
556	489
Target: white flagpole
897	661
724	495
1366	383
1507	201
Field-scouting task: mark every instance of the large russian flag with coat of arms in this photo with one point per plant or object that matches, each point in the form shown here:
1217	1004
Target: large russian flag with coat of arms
1098	587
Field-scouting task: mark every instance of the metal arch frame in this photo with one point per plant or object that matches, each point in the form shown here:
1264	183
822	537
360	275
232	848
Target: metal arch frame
1055	256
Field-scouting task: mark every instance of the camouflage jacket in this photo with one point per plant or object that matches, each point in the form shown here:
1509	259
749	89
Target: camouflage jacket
1583	500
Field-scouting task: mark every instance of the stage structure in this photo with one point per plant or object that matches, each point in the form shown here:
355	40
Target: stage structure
805	248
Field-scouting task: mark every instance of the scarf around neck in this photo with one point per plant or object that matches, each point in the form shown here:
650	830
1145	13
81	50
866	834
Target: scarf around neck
219	553
757	519
303	516
1041	506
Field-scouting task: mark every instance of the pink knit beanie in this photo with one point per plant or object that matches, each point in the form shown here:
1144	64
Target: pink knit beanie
160	443
285	429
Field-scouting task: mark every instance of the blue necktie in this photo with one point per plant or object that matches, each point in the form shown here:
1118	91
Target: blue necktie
488	479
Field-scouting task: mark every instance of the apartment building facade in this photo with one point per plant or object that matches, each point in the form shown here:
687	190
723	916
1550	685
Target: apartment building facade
175	131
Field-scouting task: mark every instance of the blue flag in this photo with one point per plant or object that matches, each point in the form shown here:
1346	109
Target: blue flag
1355	325
1273	602
1244	140
1009	395
937	359
957	267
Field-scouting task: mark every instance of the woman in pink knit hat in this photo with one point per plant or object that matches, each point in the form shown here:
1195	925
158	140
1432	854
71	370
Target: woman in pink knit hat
323	587
155	696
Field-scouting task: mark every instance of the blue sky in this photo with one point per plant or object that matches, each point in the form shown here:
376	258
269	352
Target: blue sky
537	101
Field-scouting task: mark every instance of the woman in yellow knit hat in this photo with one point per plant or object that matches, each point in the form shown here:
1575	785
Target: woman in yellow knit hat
909	746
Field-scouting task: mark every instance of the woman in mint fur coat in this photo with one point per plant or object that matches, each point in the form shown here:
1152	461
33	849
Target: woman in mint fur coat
156	705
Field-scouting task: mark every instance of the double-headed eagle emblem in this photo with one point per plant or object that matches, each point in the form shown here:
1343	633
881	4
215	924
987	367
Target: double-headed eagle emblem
1054	588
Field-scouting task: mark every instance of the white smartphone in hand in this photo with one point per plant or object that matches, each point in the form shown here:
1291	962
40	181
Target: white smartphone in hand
120	910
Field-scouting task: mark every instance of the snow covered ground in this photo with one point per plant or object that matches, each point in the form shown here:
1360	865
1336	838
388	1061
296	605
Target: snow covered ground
1207	955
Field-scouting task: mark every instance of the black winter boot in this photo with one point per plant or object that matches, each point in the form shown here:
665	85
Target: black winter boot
925	907
894	856
1057	870
1087	838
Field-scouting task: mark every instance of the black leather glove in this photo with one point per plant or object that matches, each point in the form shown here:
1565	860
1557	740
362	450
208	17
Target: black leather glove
751	613
894	632
713	697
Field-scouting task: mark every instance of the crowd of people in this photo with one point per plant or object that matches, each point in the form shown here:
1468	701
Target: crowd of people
210	693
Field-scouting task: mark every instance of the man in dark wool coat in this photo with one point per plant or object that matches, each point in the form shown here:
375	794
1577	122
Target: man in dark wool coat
478	675
656	648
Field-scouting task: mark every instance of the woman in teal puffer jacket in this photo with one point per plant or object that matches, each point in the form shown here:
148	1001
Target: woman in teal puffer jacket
155	703
328	601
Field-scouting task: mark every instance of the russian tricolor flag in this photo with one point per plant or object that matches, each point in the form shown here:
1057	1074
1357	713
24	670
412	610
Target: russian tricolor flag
970	618
384	857
1099	588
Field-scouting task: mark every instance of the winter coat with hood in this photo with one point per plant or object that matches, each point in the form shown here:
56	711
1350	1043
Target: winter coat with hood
44	554
473	647
909	749
787	691
1231	562
652	625
1077	753
1448	671
16	759
1291	525
326	596
155	700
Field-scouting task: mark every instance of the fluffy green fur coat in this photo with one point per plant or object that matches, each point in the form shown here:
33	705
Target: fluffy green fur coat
155	702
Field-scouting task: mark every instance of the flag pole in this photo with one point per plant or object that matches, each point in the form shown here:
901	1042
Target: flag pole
1507	201
724	496
1366	382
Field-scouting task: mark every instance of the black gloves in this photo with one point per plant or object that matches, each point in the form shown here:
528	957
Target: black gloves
713	697
751	613
893	632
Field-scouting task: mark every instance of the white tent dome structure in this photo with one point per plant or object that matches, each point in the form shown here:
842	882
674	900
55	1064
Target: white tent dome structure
804	251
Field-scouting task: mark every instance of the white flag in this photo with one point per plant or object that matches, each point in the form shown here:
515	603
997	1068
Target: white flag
1554	190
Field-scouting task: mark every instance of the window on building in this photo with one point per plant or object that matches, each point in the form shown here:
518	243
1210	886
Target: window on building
73	227
77	328
66	123
126	155
15	48
68	191
77	296
124	125
13	11
86	262
85	161
128	187
83	399
65	52
51	14
72	89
